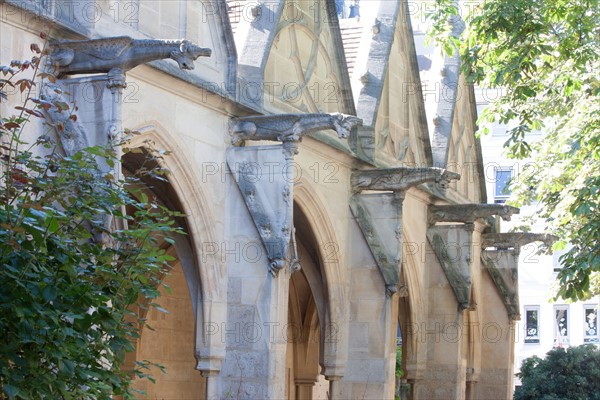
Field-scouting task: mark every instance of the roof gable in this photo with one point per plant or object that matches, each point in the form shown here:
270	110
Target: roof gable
306	63
401	129
386	84
291	57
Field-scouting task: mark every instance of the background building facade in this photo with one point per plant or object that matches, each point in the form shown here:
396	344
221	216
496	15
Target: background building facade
544	323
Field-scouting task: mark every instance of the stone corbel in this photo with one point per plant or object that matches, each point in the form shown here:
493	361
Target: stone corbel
264	174
379	215
452	242
500	256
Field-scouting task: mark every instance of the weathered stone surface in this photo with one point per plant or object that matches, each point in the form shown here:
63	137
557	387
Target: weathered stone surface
379	216
73	136
516	239
469	213
234	290
500	256
502	265
262	177
453	246
102	55
400	178
380	219
289	127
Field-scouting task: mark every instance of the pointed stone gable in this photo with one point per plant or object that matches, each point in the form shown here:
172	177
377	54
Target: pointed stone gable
401	127
450	115
464	149
306	64
385	82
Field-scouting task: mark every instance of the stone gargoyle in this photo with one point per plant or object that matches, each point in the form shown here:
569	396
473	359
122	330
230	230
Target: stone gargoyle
102	55
289	127
400	178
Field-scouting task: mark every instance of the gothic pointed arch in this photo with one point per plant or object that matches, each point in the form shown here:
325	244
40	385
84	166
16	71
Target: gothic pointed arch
334	324
205	276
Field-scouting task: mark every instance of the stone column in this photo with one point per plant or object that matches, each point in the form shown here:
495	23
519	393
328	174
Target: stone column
116	83
304	389
334	387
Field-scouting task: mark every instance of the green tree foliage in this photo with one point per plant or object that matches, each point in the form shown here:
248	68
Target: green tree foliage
67	298
545	57
572	374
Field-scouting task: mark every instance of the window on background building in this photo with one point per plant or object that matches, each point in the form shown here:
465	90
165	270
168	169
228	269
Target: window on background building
501	188
590	323
561	326
556	267
532	324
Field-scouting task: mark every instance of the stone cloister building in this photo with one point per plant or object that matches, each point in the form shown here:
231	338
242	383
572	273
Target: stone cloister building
330	206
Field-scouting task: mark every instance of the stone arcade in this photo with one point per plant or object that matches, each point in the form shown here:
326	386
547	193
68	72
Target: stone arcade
305	258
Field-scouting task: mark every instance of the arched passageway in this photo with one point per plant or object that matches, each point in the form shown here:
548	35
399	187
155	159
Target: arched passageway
168	337
307	299
168	340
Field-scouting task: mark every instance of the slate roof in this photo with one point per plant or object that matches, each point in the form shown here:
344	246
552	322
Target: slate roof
235	10
351	31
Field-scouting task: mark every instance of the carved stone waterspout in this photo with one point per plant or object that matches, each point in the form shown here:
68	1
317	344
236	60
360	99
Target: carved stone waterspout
468	213
500	255
400	178
270	201
516	239
102	55
289	127
379	215
443	237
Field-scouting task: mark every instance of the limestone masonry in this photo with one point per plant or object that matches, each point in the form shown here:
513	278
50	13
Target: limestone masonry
334	206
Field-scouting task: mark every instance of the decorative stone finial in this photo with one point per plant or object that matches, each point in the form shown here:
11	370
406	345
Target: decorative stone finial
101	55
